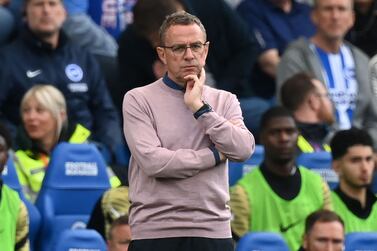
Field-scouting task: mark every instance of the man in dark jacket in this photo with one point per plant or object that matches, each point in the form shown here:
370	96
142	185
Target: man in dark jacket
43	54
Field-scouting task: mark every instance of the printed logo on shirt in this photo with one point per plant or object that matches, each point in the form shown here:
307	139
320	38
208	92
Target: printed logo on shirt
78	87
32	74
284	229
74	72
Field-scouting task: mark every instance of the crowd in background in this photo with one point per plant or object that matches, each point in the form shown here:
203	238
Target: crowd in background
302	72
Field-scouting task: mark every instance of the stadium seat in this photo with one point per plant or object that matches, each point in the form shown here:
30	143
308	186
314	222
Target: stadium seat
75	178
238	169
320	162
360	241
266	241
79	239
10	178
9	175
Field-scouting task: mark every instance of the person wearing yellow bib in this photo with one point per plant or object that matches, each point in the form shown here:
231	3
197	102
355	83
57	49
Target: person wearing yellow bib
14	221
308	100
45	124
277	196
353	200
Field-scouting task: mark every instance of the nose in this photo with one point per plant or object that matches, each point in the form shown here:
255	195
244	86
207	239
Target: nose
46	7
284	136
188	53
29	115
365	164
335	13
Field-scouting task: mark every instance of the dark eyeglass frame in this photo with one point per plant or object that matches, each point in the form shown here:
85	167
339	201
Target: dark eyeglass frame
180	49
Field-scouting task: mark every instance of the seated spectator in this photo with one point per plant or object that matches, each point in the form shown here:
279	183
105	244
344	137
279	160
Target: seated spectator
43	54
119	235
7	22
373	77
14	216
308	100
45	124
111	15
353	200
324	230
340	66
277	195
363	34
233	50
113	204
83	31
276	24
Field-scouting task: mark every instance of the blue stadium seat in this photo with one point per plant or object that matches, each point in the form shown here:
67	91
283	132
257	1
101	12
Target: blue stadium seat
361	241
266	241
75	178
79	239
238	169
320	162
10	178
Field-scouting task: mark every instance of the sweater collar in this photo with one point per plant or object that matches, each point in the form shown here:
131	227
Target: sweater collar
170	83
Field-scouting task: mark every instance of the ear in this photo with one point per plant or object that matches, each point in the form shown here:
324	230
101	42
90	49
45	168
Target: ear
314	18
351	20
336	166
314	102
305	242
63	115
161	54
206	50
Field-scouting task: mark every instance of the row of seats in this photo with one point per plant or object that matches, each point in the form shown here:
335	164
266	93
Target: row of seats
268	241
319	162
75	179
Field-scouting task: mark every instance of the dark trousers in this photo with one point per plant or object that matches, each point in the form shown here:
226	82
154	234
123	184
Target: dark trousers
182	244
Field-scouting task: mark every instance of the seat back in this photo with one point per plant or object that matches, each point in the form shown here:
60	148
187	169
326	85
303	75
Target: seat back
361	241
238	169
79	239
266	241
9	175
320	162
75	179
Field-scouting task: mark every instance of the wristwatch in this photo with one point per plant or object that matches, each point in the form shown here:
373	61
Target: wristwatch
204	109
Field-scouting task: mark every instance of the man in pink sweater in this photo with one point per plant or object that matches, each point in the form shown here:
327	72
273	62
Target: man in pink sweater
181	133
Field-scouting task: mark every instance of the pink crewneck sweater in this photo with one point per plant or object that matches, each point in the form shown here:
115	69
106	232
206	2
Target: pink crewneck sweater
176	190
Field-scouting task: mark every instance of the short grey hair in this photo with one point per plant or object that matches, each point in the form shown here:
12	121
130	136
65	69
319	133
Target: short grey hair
179	18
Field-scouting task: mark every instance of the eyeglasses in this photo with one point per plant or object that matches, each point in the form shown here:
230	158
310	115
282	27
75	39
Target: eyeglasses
179	50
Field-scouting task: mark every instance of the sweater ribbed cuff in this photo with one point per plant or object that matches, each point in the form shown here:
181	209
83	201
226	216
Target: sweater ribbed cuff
216	154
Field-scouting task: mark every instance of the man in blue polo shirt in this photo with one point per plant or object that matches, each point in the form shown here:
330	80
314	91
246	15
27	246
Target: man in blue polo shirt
275	23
